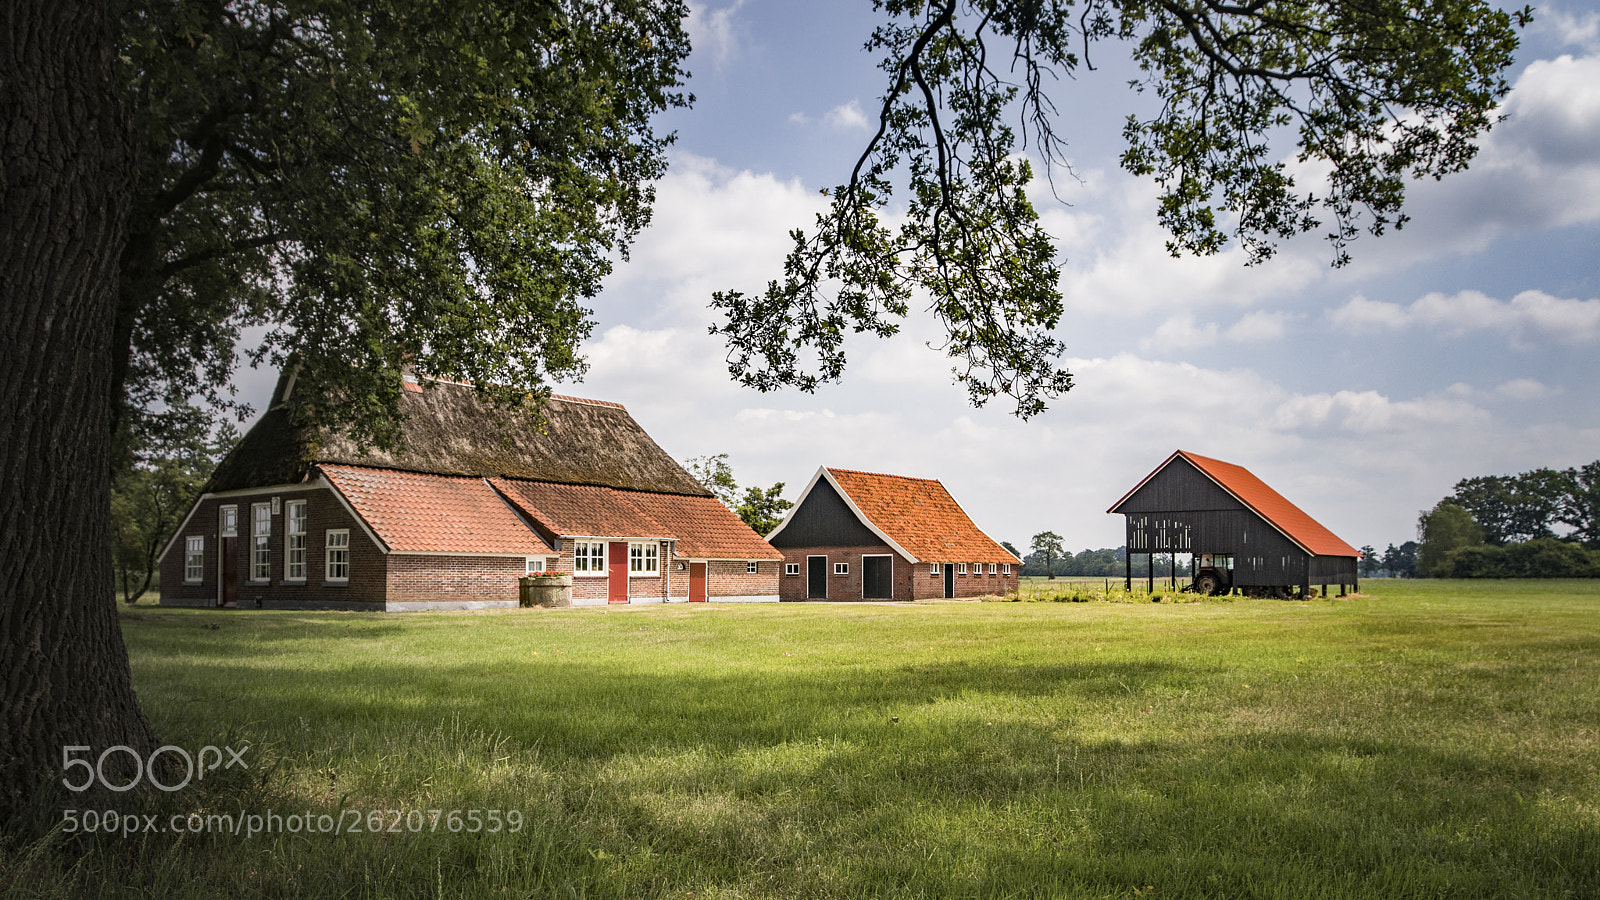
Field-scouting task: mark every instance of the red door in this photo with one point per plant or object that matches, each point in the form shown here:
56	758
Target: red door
617	569
697	582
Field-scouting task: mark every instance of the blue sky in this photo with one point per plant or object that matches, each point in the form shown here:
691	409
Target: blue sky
1465	344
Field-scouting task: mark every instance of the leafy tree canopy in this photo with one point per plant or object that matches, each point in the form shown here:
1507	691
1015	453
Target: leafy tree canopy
1372	93
760	508
382	183
1445	528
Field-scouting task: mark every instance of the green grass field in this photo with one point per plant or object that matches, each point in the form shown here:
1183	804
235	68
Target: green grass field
1427	739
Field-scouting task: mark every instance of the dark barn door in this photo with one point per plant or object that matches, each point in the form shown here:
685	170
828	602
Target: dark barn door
949	579
877	578
229	572
816	578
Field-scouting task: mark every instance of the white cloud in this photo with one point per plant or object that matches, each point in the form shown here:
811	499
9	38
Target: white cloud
847	117
1369	411
1568	29
1181	331
714	31
1531	317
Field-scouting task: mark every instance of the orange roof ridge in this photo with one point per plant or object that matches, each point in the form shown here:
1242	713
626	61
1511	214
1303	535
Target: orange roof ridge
606	403
880	474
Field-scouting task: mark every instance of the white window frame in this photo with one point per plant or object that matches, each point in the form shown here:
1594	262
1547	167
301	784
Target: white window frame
961	568
1005	568
337	542
294	542
644	559
228	520
994	568
260	543
589	559
752	568
535	565
841	568
977	568
791	568
934	569
194	559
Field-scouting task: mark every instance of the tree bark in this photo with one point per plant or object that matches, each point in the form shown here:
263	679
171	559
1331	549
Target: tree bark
65	191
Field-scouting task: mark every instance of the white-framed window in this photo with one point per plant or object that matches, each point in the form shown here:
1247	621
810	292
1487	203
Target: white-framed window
535	565
933	569
961	568
589	557
977	568
841	568
228	520
751	568
294	554
994	568
644	558
194	558
338	562
260	541
1005	568
791	568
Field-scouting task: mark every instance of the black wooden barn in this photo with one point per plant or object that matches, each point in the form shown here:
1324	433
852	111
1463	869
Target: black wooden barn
1234	526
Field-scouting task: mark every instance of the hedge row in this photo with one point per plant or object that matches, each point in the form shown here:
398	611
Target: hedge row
1541	558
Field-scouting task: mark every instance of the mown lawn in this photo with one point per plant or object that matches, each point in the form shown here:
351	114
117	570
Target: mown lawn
1427	739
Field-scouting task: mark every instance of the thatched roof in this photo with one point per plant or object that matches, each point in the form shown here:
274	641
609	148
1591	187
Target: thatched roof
448	430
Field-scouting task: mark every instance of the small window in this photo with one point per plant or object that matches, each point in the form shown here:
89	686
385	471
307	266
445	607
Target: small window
791	568
338	563
1005	568
589	557
751	568
230	521
994	568
294	564
961	568
841	568
194	558
644	559
536	565
977	568
933	569
260	541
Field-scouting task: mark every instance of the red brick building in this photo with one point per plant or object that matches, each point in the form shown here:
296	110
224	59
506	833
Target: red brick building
296	517
865	536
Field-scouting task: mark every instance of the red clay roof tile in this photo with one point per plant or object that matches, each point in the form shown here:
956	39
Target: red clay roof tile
920	516
417	512
702	526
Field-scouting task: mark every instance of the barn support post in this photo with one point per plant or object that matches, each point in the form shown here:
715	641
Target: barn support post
1127	569
1172	568
1150	572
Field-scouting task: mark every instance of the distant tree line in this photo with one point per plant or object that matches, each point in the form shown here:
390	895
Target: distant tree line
1393	562
1504	526
1047	557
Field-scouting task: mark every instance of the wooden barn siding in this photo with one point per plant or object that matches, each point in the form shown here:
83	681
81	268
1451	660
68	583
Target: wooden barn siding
824	520
1181	510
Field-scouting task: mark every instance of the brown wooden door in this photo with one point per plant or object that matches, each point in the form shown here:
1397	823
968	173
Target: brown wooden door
229	572
697	582
617	571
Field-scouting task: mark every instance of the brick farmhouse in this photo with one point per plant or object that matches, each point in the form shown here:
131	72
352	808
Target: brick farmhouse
864	536
299	517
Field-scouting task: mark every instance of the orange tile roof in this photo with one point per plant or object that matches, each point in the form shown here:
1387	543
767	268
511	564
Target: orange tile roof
920	516
416	512
1268	503
702	526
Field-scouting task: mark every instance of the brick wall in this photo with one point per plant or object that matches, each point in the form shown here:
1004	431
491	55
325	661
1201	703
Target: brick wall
725	578
368	565
454	579
912	581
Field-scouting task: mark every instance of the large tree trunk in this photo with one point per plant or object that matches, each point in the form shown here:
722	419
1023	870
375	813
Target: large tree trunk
65	191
